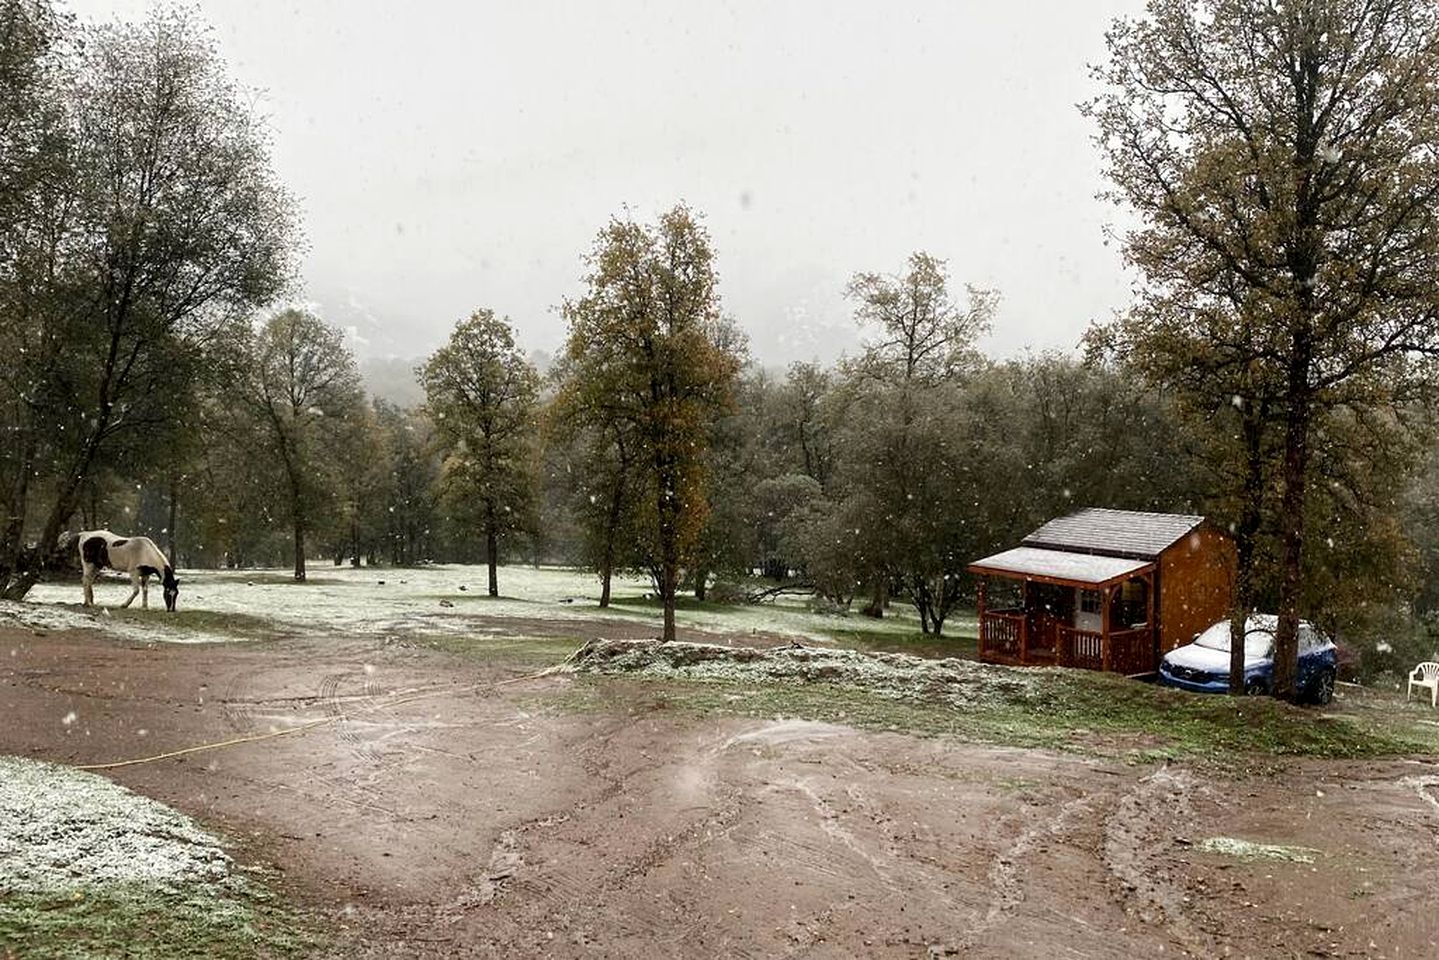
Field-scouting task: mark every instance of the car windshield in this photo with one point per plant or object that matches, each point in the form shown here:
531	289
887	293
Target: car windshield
1257	643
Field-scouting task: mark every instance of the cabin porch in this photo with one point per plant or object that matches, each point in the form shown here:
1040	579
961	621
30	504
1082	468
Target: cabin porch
1083	619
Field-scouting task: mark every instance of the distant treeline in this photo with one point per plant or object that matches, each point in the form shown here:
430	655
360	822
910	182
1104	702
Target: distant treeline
1274	370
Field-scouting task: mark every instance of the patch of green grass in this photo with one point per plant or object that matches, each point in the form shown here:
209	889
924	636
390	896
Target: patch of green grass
242	625
916	644
136	922
1085	712
507	649
682	602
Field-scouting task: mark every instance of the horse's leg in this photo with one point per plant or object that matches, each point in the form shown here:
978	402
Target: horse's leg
145	591
134	588
87	580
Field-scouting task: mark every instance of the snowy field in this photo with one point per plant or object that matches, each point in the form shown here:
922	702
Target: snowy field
62	830
221	605
89	868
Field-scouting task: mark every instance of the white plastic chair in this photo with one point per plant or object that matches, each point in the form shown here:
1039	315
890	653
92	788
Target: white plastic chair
1428	674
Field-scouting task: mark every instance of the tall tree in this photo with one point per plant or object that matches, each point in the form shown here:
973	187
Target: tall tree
304	391
649	336
921	335
601	472
481	393
140	215
411	509
364	487
1284	164
895	432
798	428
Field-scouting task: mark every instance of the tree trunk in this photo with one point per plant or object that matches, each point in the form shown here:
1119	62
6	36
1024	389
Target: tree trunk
29	564
1238	620
1291	519
12	541
1246	533
171	536
1304	250
667	593
667	477
701	582
32	562
612	531
879	600
299	550
605	575
492	548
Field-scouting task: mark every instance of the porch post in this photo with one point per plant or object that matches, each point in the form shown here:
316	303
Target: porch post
980	603
1149	619
1106	593
1024	627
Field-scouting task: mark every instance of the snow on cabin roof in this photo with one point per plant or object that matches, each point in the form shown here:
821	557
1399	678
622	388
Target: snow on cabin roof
1060	565
1124	533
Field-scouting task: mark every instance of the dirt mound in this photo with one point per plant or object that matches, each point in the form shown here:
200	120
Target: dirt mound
893	675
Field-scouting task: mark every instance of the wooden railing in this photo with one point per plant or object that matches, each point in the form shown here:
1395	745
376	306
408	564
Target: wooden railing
1001	635
1080	648
1131	651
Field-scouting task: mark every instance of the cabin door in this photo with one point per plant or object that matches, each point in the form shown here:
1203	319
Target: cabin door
1088	610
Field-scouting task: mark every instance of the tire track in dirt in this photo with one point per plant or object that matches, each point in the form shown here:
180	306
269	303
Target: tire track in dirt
886	862
1426	786
1006	870
340	708
237	704
1140	827
559	890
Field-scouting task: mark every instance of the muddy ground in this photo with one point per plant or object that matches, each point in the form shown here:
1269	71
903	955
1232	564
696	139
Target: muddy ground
439	815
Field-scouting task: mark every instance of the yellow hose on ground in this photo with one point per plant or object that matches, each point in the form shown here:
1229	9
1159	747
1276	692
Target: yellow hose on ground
254	737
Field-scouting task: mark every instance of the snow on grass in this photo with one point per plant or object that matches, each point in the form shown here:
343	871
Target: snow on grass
54	616
63	829
1249	850
373	601
786	616
89	869
891	675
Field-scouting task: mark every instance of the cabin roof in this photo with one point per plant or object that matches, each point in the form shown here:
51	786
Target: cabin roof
1115	533
1060	565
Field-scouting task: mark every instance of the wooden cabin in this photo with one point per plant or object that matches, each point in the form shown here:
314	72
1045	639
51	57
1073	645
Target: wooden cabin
1105	590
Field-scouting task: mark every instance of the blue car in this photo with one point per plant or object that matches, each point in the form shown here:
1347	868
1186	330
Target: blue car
1203	666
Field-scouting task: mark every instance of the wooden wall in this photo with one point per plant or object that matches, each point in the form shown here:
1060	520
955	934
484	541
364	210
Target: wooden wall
1196	577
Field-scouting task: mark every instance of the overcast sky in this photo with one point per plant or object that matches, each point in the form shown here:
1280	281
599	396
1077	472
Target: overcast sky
451	155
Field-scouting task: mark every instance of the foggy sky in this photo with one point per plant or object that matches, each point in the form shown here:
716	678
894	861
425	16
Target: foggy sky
452	155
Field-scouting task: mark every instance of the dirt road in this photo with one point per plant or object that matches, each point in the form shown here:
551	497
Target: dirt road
441	816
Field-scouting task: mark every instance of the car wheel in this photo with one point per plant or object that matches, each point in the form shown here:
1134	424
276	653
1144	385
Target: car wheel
1255	688
1322	691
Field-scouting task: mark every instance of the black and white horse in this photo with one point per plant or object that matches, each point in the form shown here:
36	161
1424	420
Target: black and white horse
137	556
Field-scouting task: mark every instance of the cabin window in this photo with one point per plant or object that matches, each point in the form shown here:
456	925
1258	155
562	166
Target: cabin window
1089	601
